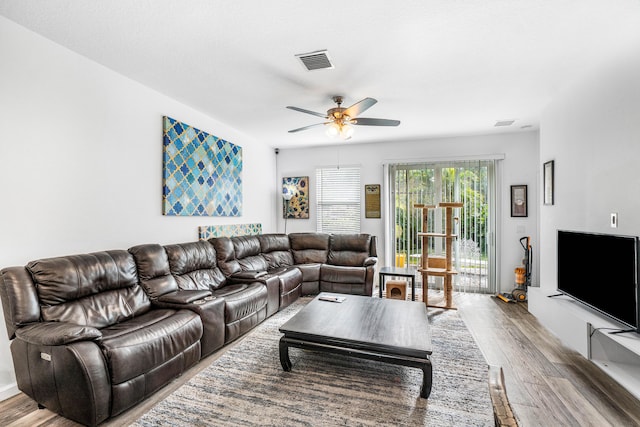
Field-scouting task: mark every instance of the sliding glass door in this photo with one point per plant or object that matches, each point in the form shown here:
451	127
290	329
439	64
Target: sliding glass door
469	182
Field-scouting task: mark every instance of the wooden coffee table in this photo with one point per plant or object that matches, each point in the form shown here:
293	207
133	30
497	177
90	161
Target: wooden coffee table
386	330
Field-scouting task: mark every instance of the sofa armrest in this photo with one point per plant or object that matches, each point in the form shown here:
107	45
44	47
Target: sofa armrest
184	297
72	379
57	333
248	275
370	261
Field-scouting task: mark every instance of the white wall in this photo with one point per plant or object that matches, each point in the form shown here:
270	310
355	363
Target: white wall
520	166
81	150
592	132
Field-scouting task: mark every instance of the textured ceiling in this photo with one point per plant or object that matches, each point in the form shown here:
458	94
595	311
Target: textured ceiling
442	67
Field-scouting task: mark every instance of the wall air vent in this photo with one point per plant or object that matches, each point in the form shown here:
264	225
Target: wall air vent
504	123
317	60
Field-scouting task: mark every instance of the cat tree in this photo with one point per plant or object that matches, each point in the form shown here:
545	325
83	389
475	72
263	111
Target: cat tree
440	266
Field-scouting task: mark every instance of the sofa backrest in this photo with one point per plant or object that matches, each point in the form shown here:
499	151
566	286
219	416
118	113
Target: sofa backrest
194	266
97	289
276	250
240	253
153	270
349	249
309	248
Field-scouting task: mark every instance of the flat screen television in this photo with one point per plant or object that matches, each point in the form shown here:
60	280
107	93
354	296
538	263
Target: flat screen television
601	271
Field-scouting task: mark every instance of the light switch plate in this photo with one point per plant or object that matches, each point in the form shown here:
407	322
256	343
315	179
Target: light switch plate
614	220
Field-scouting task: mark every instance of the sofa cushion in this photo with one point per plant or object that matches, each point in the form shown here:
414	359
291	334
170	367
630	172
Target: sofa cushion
245	307
248	255
97	289
143	343
349	249
153	270
310	272
100	310
225	255
309	247
194	265
72	277
276	250
241	253
342	274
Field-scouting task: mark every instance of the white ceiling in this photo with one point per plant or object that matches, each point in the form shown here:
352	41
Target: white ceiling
442	67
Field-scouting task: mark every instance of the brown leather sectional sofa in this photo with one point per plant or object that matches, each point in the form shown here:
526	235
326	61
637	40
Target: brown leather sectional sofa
94	334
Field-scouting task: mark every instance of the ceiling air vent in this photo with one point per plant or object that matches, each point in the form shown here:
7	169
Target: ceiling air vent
317	60
504	123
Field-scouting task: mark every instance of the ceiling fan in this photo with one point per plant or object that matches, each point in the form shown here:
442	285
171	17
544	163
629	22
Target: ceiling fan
340	120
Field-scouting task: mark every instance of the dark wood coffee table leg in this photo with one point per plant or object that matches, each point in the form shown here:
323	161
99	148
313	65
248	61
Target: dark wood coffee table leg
427	378
284	355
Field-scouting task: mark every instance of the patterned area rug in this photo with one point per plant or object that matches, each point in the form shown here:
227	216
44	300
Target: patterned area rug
247	386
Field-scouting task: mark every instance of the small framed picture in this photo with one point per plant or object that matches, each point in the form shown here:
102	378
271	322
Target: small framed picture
519	201
547	182
372	201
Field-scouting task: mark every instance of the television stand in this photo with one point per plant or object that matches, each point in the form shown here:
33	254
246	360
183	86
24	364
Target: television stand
586	331
622	331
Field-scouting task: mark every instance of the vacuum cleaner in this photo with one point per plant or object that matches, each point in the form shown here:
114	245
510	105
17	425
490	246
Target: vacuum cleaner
523	275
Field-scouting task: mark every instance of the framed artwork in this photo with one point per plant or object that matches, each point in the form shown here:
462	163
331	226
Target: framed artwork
519	201
296	189
547	182
202	174
206	232
372	201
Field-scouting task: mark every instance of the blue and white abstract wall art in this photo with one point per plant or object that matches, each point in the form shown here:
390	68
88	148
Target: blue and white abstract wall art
202	174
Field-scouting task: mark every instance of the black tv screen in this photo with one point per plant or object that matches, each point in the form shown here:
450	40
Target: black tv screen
601	271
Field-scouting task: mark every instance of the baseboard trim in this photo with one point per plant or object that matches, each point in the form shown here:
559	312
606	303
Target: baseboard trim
8	390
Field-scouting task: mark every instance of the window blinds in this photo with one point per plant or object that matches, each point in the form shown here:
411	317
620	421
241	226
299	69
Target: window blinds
338	200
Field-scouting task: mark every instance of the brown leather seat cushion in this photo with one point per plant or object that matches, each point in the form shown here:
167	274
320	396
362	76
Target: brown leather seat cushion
245	307
138	345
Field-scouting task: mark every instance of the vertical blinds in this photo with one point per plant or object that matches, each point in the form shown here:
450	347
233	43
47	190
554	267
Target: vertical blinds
338	200
469	182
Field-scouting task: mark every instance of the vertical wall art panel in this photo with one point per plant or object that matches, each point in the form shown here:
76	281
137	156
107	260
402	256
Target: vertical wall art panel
206	232
202	173
299	205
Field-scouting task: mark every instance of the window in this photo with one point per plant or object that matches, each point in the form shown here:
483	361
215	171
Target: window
338	199
470	182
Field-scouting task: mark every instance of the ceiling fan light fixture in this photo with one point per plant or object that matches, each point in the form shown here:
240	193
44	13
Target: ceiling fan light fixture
333	130
346	131
339	129
340	120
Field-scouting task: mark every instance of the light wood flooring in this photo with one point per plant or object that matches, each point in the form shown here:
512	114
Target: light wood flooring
547	383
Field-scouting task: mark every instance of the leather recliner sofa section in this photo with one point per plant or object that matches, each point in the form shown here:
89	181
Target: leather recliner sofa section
303	263
171	273
87	342
94	334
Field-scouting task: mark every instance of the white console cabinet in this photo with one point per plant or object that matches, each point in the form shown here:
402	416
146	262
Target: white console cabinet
588	332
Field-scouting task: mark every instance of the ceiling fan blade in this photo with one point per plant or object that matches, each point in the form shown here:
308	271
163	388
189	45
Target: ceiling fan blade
360	107
307	127
313	113
361	121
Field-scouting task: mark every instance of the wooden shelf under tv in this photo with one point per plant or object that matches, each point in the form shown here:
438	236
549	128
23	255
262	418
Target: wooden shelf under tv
588	332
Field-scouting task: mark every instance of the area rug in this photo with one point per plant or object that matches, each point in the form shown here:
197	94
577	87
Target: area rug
247	385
